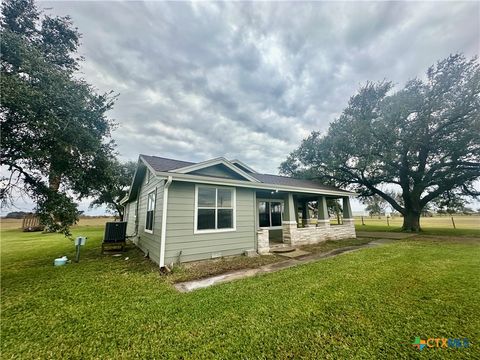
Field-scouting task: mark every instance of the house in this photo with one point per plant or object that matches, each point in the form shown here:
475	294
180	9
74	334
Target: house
178	211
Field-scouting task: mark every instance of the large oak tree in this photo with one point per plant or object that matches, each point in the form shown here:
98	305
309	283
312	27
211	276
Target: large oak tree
421	141
55	135
118	180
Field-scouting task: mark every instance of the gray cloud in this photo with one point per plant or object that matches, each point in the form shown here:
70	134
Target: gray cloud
250	80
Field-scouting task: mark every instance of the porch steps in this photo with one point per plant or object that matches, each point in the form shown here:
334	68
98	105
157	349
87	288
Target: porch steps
282	249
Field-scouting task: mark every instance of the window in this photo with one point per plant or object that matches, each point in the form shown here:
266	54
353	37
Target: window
147	178
270	213
215	209
150	212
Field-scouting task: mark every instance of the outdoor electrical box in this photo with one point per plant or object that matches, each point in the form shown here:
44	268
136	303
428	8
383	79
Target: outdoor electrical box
79	241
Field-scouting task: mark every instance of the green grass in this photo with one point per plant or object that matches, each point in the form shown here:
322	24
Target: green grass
366	304
202	269
425	231
329	245
436	225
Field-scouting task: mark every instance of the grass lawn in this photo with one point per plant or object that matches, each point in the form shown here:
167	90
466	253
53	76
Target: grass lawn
436	225
366	304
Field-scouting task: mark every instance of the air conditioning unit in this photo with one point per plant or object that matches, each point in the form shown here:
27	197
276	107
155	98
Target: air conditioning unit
115	232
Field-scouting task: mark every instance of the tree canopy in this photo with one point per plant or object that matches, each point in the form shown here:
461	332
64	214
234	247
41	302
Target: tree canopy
56	137
375	205
420	141
119	177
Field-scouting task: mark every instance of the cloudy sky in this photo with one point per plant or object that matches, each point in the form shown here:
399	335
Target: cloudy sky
249	80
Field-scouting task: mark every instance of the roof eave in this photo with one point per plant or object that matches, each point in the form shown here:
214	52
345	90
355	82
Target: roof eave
248	184
213	162
241	163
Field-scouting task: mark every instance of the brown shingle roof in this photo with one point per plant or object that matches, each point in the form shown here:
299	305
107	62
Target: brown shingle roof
164	164
170	165
288	181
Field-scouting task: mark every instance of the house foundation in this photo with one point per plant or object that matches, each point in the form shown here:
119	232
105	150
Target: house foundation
294	235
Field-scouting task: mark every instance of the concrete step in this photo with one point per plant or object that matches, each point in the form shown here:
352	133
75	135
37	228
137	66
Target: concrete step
283	249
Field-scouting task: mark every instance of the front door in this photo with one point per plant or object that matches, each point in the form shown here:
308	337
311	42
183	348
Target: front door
270	216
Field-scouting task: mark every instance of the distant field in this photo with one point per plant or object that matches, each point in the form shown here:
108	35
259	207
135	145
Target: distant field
461	222
437	222
17	223
437	225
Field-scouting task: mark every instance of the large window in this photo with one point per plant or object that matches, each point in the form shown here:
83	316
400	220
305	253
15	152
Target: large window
270	213
150	212
215	210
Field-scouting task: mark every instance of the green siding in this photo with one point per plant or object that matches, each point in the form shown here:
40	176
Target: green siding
218	171
180	223
149	242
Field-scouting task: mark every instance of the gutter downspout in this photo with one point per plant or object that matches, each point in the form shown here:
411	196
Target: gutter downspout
164	222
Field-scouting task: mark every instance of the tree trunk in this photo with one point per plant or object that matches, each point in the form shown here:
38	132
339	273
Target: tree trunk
411	221
54	182
120	210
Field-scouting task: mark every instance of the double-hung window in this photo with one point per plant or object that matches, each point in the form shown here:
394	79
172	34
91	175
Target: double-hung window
150	212
215	209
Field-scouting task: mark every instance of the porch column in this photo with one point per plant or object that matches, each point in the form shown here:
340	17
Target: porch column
289	223
347	211
304	213
323	218
290	211
295	206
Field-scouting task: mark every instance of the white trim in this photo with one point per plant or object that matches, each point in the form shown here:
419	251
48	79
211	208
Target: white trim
213	162
248	184
148	231
163	234
241	163
234	208
271	227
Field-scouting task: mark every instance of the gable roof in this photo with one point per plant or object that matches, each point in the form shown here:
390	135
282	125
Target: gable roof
213	162
172	166
289	181
243	166
164	164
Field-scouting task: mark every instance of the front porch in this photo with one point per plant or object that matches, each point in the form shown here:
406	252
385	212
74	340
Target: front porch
304	220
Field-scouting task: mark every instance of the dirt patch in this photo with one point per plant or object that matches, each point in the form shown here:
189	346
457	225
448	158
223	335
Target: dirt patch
201	269
198	270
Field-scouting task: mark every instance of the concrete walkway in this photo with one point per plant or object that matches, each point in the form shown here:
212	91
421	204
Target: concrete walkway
241	274
384	235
